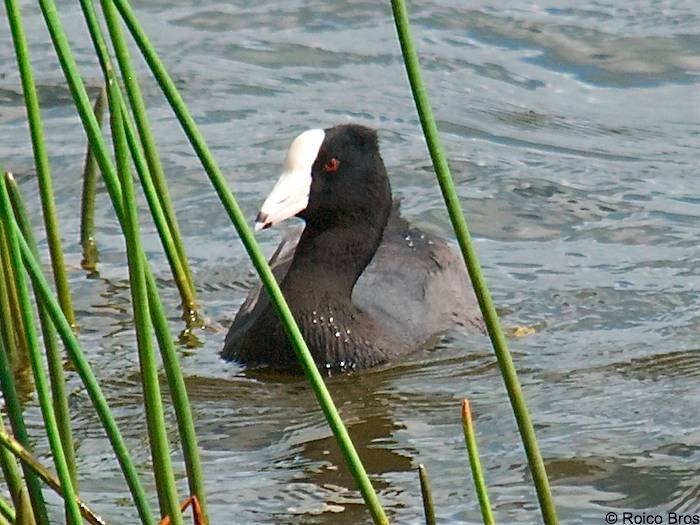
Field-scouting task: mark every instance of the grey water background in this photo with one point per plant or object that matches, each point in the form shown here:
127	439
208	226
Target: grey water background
572	130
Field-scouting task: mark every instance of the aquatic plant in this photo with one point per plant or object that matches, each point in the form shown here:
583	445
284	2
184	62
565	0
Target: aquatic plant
135	147
475	464
87	201
471	260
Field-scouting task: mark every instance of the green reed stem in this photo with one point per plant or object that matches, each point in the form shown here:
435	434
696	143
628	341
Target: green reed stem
155	167
19	209
159	218
40	381
10	444
459	224
13	325
53	354
31	501
160	450
475	464
168	352
13	406
258	259
87	202
7	513
427	494
7	327
79	94
82	367
171	364
113	187
41	158
136	151
10	472
169	246
180	398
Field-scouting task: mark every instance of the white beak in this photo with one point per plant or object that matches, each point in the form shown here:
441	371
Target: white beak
291	193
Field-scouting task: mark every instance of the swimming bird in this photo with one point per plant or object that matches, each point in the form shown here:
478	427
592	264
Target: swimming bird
363	284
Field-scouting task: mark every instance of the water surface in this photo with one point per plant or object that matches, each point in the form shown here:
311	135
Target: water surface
573	131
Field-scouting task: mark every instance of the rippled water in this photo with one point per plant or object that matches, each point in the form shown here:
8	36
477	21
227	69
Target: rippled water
573	131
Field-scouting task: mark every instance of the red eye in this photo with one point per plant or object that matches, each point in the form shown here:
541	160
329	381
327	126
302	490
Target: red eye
331	166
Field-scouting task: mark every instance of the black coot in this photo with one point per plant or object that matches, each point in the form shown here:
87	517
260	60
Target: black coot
362	283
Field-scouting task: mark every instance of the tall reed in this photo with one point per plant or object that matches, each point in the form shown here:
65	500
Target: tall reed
40	381
155	167
7	513
459	224
7	325
41	158
169	356
475	464
10	445
13	405
94	135
53	353
11	473
246	235
102	158
87	201
427	494
160	450
12	322
156	195
87	376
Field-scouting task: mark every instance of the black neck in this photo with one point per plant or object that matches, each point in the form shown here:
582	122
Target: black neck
331	257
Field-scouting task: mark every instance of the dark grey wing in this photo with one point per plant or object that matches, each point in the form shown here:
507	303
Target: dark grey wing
257	300
417	285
